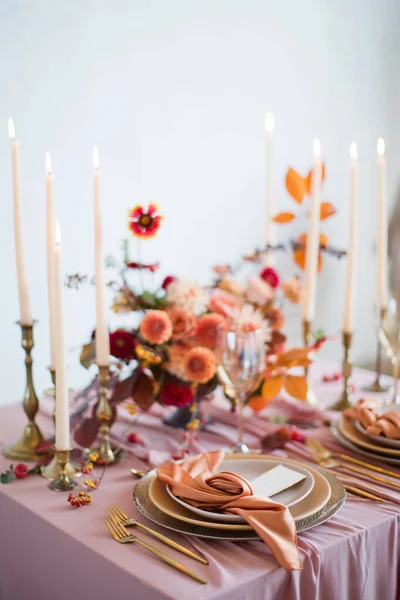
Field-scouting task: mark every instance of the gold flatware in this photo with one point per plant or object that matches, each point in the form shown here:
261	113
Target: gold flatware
138	473
330	463
116	513
121	535
362	493
328	454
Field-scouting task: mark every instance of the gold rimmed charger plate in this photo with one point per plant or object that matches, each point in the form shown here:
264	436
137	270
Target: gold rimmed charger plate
336	498
315	500
349	431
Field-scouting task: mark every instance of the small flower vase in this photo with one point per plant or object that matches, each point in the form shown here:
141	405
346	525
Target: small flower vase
183	415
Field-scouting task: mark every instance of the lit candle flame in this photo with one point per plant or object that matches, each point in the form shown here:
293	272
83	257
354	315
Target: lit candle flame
269	122
57	236
48	164
353	151
381	147
95	158
316	148
11	129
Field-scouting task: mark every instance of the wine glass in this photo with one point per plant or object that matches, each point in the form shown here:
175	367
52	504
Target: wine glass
389	335
243	358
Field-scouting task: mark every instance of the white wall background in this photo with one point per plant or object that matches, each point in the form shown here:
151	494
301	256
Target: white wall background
174	94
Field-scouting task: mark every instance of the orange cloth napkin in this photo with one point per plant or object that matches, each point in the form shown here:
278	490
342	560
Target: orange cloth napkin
366	412
196	481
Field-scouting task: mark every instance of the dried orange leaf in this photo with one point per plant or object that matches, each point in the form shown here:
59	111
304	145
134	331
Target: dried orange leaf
291	357
323	239
284	217
295	185
327	210
299	257
272	386
257	403
296	386
308	179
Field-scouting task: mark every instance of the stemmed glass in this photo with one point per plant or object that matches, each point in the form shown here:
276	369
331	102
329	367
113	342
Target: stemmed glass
389	334
243	358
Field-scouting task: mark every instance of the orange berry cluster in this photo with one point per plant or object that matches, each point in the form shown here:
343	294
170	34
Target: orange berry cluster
80	499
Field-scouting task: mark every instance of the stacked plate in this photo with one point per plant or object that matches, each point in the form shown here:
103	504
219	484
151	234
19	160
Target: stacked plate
316	498
353	435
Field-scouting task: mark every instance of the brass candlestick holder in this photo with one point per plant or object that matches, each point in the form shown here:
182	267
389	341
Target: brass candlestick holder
24	448
62	483
311	397
346	400
377	386
104	416
53	469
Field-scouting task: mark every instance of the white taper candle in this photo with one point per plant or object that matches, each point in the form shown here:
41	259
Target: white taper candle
50	261
382	236
24	305
348	318
102	335
312	246
62	394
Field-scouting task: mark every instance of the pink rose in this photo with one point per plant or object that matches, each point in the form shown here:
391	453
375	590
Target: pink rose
224	303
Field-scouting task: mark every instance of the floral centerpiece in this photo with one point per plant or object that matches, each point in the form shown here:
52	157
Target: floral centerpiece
172	353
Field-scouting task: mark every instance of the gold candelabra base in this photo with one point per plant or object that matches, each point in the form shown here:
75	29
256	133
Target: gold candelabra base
63	482
376	386
24	448
104	416
311	398
346	399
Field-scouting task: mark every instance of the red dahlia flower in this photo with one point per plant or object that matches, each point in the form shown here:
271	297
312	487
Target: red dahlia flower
169	279
270	276
144	224
122	344
173	394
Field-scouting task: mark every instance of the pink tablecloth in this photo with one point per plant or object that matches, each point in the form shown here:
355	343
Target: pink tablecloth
49	551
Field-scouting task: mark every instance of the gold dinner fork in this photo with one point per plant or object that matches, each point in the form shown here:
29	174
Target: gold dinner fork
328	454
117	514
329	463
121	535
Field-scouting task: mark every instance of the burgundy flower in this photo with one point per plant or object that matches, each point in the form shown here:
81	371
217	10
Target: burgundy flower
135	265
173	394
270	276
20	471
122	344
169	279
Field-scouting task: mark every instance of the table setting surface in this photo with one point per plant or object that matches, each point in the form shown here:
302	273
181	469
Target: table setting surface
352	555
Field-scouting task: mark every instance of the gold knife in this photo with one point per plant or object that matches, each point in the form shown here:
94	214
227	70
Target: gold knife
356	461
358	492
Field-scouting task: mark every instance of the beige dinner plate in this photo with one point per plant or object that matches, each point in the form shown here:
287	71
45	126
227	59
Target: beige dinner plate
349	431
312	503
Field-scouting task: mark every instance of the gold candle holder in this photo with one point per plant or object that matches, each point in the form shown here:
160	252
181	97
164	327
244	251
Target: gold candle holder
376	386
53	469
104	416
62	483
24	448
346	399
311	397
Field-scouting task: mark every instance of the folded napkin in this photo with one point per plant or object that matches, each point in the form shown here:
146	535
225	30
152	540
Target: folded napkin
196	481
365	411
387	425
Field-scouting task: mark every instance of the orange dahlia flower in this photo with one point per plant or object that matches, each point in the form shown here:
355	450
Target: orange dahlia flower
183	322
156	327
142	223
210	329
200	365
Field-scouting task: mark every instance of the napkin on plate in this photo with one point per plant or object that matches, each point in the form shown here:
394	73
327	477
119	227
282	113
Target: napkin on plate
366	412
196	481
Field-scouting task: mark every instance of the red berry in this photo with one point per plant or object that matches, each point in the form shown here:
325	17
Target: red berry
20	471
297	436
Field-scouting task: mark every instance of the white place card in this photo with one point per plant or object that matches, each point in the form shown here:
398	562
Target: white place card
275	480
